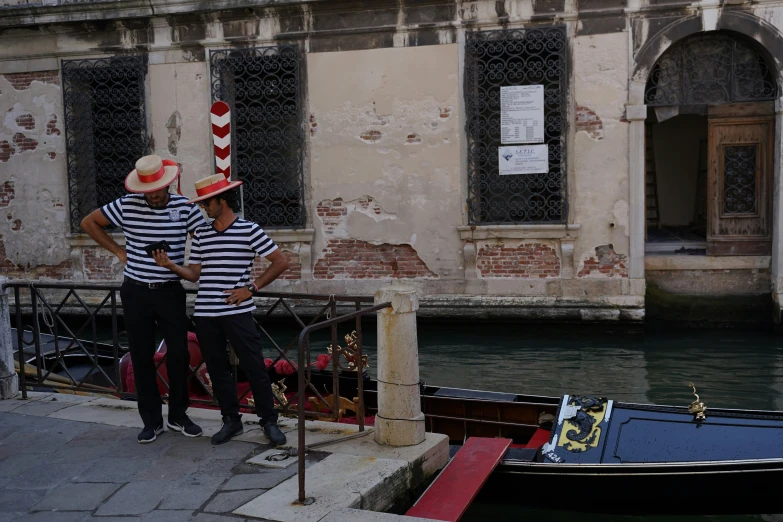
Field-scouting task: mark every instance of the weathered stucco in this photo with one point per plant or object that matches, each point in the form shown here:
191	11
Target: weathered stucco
34	213
179	119
599	167
389	129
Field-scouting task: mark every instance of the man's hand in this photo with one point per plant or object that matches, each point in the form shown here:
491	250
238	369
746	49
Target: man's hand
237	295
122	255
162	259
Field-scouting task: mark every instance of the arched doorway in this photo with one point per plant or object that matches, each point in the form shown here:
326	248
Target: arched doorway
709	147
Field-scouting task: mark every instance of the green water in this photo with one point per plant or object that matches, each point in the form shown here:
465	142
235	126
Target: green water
731	368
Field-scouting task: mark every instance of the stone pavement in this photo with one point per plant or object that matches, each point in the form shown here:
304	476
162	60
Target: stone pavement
61	470
76	458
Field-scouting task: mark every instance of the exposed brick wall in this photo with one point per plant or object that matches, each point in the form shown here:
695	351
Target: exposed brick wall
26	121
331	214
355	259
22	81
7	193
349	258
588	121
6	150
23	143
607	262
294	270
528	260
97	264
51	126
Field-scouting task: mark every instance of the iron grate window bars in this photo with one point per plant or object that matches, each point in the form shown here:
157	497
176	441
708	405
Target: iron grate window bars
495	59
105	128
710	68
262	87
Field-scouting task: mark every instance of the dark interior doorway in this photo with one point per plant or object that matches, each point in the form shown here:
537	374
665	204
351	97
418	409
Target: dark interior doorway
676	184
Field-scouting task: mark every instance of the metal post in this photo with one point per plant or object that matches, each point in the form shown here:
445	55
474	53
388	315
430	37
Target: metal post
115	343
9	383
359	370
301	423
36	333
335	364
20	339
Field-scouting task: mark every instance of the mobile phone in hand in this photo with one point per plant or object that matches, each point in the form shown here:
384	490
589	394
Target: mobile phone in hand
159	245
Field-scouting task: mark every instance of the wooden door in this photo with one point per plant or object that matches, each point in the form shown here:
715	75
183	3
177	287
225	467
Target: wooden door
741	149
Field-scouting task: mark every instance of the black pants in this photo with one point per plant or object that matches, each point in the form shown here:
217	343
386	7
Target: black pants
164	308
241	332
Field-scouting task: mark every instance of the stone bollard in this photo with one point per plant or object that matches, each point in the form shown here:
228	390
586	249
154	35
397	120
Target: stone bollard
399	421
9	382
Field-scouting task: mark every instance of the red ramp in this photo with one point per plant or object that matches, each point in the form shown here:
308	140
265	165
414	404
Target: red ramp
449	496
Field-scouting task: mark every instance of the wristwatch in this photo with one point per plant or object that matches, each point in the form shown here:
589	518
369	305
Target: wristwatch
252	288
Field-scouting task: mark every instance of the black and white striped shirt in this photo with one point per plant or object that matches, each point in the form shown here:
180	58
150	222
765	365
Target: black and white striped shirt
143	225
226	259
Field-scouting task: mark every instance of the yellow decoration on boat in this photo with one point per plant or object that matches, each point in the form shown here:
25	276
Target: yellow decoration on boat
582	418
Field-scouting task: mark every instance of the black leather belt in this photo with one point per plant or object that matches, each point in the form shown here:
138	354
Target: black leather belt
153	286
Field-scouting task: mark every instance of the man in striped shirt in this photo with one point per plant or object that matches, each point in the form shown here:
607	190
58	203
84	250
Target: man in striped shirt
221	259
151	295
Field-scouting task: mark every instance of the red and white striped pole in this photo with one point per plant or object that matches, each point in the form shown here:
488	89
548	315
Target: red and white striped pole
220	115
221	136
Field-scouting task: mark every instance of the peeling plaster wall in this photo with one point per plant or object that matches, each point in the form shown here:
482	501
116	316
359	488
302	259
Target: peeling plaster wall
34	209
389	129
599	167
179	101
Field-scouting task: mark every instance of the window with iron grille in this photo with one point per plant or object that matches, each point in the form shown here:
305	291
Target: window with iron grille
105	128
711	68
495	59
261	86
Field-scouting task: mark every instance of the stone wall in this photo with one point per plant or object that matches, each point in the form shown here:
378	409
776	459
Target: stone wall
385	149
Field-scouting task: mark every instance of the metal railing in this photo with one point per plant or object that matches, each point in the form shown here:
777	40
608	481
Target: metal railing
84	341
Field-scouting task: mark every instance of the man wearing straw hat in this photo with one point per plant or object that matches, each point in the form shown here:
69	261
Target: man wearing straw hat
152	296
221	259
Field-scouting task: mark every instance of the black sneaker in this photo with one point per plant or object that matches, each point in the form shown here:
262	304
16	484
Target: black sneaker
185	426
148	434
273	433
230	429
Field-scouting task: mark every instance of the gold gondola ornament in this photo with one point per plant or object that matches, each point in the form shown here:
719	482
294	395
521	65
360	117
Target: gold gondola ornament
697	407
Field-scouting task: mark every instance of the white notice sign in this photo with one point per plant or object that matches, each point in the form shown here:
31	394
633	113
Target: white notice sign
522	114
523	159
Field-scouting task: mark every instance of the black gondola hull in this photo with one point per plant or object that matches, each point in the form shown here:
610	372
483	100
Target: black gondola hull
705	488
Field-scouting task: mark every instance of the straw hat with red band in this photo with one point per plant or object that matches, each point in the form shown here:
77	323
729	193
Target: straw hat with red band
212	186
151	173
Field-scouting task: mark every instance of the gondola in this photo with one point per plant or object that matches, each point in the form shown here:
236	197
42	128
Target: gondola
596	455
637	459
